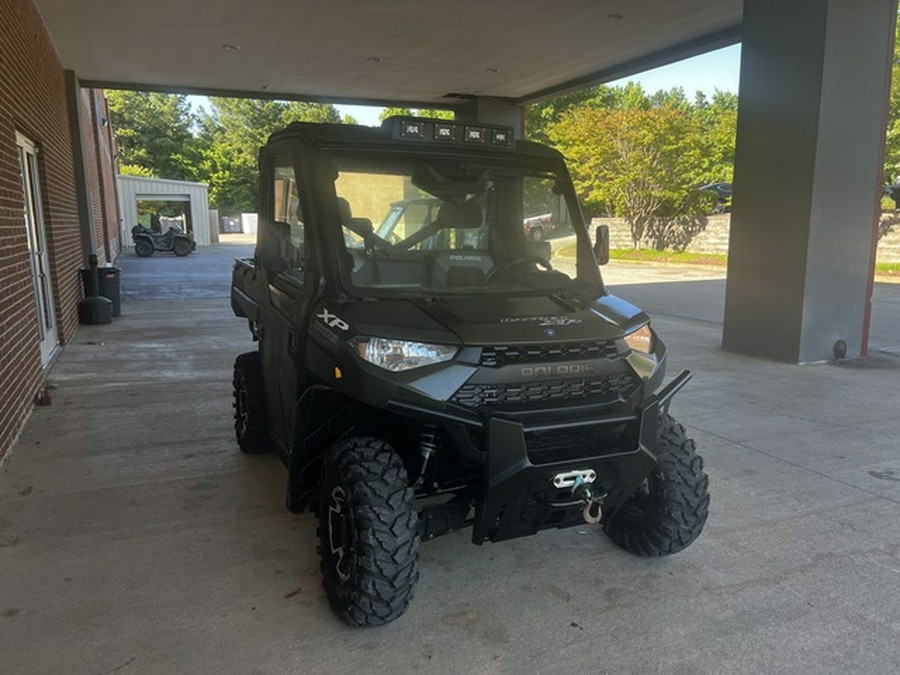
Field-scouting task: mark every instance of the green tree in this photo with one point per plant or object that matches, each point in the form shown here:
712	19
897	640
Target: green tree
431	113
718	122
136	170
395	111
539	117
231	135
153	134
435	113
641	163
892	149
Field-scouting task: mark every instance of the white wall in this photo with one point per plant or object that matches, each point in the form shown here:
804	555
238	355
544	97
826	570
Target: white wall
248	223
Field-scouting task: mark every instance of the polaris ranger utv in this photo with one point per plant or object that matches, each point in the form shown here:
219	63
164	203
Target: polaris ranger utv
453	372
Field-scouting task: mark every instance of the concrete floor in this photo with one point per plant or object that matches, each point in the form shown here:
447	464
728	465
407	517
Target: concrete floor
135	538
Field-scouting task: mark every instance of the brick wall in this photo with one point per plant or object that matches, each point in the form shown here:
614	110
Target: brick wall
106	158
32	101
91	165
99	155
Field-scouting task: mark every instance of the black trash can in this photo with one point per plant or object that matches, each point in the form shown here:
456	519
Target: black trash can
110	286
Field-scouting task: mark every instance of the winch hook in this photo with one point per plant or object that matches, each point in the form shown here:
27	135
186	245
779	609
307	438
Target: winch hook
593	504
592	513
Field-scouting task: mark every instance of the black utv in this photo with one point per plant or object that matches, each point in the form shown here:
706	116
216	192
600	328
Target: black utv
456	373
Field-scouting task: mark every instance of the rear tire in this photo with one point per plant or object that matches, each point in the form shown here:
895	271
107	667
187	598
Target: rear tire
250	424
669	510
182	248
143	248
369	542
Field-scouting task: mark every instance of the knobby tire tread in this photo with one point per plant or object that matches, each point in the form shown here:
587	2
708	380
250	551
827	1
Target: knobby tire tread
680	500
255	440
386	564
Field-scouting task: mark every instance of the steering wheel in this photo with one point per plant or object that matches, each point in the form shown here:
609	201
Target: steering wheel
502	267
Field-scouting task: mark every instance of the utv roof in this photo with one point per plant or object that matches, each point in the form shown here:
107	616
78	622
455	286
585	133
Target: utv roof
420	133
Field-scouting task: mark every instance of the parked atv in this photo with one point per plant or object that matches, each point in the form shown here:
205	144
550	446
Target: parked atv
451	372
146	241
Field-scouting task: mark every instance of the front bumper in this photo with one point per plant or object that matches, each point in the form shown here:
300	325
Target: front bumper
518	497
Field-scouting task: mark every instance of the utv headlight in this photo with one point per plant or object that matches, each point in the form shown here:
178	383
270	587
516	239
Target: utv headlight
399	355
641	340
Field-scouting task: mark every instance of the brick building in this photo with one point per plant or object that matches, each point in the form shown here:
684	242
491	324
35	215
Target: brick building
57	204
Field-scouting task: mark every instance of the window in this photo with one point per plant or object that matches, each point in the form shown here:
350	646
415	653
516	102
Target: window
288	214
448	226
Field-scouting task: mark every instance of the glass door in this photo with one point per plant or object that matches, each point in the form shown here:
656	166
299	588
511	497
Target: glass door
37	247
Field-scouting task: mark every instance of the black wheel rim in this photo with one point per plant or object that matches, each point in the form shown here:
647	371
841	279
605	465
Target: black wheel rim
340	533
242	412
640	504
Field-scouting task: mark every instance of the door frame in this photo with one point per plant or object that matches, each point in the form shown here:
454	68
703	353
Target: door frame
38	254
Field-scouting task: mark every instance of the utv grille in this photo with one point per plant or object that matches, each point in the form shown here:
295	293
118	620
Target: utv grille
497	356
571	444
547	391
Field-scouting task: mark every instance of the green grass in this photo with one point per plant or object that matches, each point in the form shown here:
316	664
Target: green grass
683	258
650	255
887	269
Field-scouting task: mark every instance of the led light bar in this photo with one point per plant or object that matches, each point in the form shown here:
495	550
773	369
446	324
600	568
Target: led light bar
419	129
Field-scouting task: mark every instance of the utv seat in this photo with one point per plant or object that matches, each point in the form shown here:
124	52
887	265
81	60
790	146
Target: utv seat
381	269
460	268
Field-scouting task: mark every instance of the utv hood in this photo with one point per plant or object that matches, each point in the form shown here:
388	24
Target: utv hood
487	320
495	320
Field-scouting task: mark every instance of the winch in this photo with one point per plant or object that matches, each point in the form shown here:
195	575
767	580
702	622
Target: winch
581	482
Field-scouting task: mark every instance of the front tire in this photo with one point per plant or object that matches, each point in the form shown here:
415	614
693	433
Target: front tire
182	248
250	424
143	248
369	543
669	510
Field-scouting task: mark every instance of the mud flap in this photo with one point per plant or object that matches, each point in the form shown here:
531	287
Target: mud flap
323	417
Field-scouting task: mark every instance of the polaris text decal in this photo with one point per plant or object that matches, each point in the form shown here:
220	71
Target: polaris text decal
558	320
566	369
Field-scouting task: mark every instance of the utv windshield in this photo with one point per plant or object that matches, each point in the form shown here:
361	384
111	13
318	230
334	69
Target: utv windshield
449	227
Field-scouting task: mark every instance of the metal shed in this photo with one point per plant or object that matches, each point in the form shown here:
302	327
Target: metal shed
137	188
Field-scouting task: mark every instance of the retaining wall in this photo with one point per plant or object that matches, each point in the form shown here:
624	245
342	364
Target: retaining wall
714	238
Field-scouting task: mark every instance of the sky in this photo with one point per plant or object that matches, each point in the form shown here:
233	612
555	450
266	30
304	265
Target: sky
708	72
714	70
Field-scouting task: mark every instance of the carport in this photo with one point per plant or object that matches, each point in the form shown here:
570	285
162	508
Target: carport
131	545
814	82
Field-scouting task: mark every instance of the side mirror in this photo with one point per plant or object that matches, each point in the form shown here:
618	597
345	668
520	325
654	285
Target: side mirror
601	244
272	243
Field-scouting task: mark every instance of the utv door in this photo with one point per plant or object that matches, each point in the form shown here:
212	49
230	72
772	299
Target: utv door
284	252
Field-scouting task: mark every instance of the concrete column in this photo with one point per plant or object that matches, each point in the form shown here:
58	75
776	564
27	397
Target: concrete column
493	111
815	77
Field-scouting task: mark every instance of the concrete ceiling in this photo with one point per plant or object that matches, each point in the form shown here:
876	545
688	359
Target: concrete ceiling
379	51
